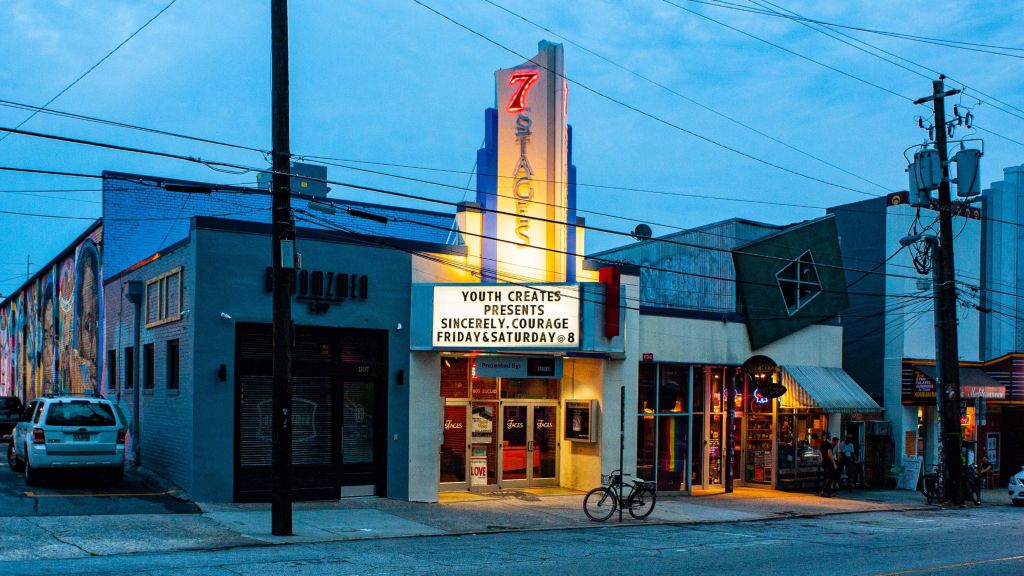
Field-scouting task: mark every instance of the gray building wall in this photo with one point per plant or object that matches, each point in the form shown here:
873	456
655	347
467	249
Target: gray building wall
230	265
166	416
708	283
189	436
1003	240
861	227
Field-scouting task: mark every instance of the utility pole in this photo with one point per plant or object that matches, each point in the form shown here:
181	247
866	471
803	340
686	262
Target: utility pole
283	247
28	267
947	360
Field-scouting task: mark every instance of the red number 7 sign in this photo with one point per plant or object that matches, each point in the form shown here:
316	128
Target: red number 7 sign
526	79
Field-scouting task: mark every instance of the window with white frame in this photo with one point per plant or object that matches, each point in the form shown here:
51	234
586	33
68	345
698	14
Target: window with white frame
163	298
799	282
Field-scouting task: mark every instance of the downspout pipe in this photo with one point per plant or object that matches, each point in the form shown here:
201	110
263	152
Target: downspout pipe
134	295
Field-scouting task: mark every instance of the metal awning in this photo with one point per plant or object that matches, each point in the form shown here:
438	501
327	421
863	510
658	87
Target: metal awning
829	389
974	382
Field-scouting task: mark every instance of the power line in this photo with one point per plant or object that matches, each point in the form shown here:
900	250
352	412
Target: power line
958	44
833	34
244	168
642	112
822	64
94	66
36	195
117	124
520	280
685	97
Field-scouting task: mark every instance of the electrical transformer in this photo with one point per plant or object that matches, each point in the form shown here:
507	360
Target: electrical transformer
968	172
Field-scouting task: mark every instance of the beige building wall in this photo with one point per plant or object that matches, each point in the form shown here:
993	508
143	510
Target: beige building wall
692	340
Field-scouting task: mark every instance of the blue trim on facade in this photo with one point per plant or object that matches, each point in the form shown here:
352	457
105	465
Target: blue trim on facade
570	230
487	194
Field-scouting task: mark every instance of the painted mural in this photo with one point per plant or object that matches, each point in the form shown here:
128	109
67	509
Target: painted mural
51	329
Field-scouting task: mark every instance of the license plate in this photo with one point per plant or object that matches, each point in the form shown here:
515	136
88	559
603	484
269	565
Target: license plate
81	436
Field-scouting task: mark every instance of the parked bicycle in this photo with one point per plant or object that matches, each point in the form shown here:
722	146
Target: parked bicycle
930	485
600	503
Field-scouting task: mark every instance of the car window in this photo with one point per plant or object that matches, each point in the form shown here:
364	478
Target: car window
121	416
11	404
80	413
39	411
27	416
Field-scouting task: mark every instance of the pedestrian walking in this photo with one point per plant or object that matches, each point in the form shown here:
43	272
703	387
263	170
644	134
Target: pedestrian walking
828	465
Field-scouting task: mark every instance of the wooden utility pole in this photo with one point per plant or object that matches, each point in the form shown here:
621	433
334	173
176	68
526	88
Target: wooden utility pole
947	360
283	247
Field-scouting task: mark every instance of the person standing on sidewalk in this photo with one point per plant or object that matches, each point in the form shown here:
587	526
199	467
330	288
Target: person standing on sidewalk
828	465
847	456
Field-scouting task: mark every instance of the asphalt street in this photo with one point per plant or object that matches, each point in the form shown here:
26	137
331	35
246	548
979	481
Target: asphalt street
983	541
85	493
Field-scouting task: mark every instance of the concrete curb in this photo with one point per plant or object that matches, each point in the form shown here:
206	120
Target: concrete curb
592	526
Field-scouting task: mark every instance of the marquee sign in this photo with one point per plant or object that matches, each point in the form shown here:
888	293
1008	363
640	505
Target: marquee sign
506	316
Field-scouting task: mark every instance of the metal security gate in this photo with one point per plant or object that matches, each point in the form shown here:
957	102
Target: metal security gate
339	400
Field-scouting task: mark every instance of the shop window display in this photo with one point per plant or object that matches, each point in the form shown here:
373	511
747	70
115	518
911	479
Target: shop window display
799	459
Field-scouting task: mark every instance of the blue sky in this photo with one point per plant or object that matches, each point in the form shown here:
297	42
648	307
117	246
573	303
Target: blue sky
389	81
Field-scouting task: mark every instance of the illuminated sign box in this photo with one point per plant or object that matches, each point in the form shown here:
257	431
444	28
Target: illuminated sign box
518	367
532	317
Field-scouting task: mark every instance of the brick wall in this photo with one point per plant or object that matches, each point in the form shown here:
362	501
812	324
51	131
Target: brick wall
166	435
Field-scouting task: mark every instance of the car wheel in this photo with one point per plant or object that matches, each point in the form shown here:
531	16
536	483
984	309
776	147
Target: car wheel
115	476
1018	502
12	458
32	476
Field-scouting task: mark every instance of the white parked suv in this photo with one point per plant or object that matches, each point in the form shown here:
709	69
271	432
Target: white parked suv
68	432
1016	488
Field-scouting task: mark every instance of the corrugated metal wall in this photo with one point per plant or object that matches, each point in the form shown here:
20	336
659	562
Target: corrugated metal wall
692	269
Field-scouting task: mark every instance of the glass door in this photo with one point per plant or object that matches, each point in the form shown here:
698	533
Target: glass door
544	446
528	450
514	444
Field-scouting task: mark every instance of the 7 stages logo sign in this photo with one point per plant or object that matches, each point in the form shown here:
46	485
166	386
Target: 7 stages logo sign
489	316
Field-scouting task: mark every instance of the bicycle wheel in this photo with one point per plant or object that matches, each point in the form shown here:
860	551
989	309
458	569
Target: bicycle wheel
641	503
599	504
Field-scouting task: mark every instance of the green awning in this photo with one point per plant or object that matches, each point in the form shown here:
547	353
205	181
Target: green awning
828	389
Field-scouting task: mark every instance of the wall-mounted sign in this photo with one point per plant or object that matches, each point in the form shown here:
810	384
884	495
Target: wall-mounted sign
518	367
321	289
478	466
482	423
580	423
647	357
506	316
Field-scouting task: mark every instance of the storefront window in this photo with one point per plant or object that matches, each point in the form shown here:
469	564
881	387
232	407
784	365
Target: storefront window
699	382
716	448
645	448
529	388
696	458
663	446
673	448
455	377
798	458
760	464
673	389
646	388
485	388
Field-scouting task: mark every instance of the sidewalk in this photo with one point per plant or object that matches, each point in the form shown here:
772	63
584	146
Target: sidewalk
234	525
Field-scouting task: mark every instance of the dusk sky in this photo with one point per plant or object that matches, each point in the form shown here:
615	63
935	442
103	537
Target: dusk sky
393	82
